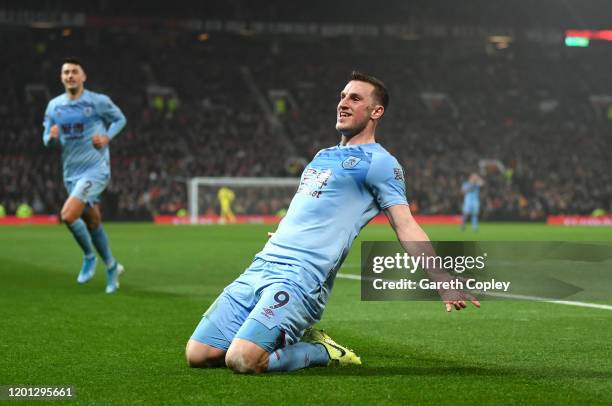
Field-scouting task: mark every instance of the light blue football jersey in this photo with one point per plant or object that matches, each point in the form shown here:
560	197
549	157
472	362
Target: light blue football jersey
340	191
471	193
79	120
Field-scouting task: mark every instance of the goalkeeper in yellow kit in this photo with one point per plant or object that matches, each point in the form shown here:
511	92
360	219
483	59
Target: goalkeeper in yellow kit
226	196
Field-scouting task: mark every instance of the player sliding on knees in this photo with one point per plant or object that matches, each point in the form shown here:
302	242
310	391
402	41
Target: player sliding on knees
262	322
83	123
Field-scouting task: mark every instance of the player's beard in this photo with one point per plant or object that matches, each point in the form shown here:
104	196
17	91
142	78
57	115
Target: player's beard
349	133
73	89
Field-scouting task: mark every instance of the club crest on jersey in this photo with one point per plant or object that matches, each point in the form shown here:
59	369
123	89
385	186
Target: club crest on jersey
350	162
87	111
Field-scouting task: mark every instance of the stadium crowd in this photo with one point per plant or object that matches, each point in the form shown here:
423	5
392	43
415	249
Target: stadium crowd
231	105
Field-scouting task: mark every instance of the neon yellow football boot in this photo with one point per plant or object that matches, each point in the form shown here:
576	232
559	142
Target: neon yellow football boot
338	355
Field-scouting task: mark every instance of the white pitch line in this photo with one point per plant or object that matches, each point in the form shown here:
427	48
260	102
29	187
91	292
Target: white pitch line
512	296
349	276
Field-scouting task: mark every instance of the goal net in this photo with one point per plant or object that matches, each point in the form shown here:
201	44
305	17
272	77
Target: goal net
249	200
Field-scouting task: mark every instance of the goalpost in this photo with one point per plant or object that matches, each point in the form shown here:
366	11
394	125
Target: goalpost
273	192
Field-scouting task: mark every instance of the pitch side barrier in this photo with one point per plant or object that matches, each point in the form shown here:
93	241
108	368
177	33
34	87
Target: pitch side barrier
262	219
35	219
605	220
49	219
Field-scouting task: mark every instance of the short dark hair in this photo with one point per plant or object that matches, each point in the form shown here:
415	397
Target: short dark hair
380	90
74	61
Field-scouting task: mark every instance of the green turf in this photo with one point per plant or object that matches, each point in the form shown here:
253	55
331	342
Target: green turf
128	347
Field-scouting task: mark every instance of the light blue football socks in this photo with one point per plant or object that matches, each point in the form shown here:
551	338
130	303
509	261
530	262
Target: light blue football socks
297	356
98	238
100	241
82	237
474	222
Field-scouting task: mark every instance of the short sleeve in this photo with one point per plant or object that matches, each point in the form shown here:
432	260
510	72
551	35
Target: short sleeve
105	106
385	179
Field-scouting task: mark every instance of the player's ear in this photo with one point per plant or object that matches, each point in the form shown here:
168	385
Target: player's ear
377	112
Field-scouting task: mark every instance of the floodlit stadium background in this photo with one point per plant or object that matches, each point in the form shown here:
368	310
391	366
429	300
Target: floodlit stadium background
250	88
518	91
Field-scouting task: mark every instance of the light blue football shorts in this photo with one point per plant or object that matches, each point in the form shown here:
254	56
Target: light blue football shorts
265	305
471	208
87	188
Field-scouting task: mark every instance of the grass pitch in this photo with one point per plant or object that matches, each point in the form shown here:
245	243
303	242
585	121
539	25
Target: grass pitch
128	347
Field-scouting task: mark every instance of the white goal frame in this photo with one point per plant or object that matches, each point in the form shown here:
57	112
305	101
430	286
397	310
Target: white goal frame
193	185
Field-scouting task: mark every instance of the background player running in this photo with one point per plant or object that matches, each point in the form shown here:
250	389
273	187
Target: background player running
471	200
83	123
262	321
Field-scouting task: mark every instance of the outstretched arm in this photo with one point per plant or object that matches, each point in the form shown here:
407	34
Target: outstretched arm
415	241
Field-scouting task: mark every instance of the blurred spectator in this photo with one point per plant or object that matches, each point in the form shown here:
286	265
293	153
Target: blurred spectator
527	107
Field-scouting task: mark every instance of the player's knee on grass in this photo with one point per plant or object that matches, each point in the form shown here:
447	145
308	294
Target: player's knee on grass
200	355
246	357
